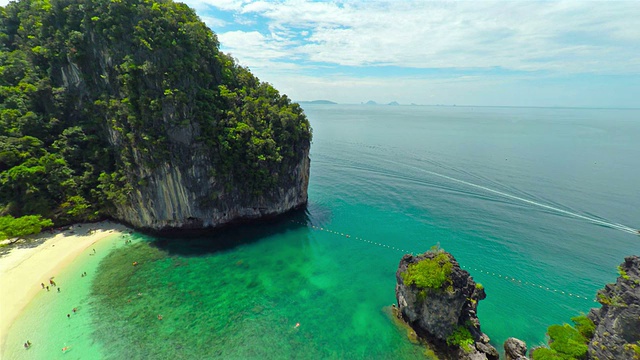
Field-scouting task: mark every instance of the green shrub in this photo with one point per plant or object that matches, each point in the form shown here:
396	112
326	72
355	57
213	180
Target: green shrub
568	341
603	299
11	227
584	325
461	337
623	274
429	273
546	354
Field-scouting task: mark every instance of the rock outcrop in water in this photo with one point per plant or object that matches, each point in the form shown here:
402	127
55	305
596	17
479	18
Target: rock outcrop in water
439	300
610	332
617	333
127	109
515	349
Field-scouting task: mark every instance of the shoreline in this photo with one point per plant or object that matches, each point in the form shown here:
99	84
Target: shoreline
23	269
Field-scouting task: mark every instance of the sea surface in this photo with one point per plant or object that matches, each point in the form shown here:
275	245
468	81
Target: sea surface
540	205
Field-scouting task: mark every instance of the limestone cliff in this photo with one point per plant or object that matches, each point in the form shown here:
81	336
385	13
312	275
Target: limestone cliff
182	193
439	301
127	109
610	332
617	333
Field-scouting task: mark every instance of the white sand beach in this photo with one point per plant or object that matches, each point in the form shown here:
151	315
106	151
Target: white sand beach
39	259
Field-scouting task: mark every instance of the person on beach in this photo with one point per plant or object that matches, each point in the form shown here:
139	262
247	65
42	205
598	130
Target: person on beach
94	251
74	310
85	273
58	289
47	288
42	284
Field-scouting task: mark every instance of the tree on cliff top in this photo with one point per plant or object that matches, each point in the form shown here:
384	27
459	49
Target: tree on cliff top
91	89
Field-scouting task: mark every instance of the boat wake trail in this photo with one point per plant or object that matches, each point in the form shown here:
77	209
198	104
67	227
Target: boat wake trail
518	198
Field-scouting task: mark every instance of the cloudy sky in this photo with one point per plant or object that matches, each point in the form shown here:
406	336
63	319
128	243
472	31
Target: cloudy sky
518	53
574	53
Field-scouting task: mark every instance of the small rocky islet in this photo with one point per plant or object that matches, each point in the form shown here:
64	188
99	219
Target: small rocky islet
438	300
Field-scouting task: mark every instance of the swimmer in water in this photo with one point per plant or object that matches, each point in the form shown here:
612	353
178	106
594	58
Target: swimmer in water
159	317
65	348
297	326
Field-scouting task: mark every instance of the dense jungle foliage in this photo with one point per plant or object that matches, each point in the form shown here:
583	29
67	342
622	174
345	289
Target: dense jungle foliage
90	90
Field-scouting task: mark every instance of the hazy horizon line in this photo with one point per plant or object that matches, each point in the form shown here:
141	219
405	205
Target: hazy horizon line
466	105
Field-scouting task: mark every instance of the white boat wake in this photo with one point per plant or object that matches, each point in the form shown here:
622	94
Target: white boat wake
514	197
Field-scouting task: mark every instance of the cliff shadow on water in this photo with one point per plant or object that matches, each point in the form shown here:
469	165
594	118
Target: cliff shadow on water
203	242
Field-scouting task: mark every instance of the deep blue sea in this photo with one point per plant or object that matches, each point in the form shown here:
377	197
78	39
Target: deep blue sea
540	205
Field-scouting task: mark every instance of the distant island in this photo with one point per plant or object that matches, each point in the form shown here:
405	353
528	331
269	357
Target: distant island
394	103
371	102
323	102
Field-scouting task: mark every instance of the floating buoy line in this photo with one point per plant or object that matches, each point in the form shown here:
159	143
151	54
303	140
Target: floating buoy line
490	273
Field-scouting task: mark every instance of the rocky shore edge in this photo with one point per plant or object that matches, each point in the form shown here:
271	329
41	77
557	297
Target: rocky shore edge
438	300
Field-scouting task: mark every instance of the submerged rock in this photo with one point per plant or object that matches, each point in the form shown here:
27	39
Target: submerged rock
515	349
439	301
617	333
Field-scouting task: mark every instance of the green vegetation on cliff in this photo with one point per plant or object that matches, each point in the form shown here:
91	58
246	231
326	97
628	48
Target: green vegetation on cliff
91	91
461	337
429	273
566	341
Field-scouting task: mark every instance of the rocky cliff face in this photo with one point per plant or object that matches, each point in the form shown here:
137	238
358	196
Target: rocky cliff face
443	315
183	194
132	112
617	334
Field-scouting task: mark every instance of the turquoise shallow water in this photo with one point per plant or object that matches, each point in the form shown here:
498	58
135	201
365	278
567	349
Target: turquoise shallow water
533	202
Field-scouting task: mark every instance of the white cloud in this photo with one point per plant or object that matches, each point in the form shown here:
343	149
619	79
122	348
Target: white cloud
213	23
229	5
557	36
483	52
